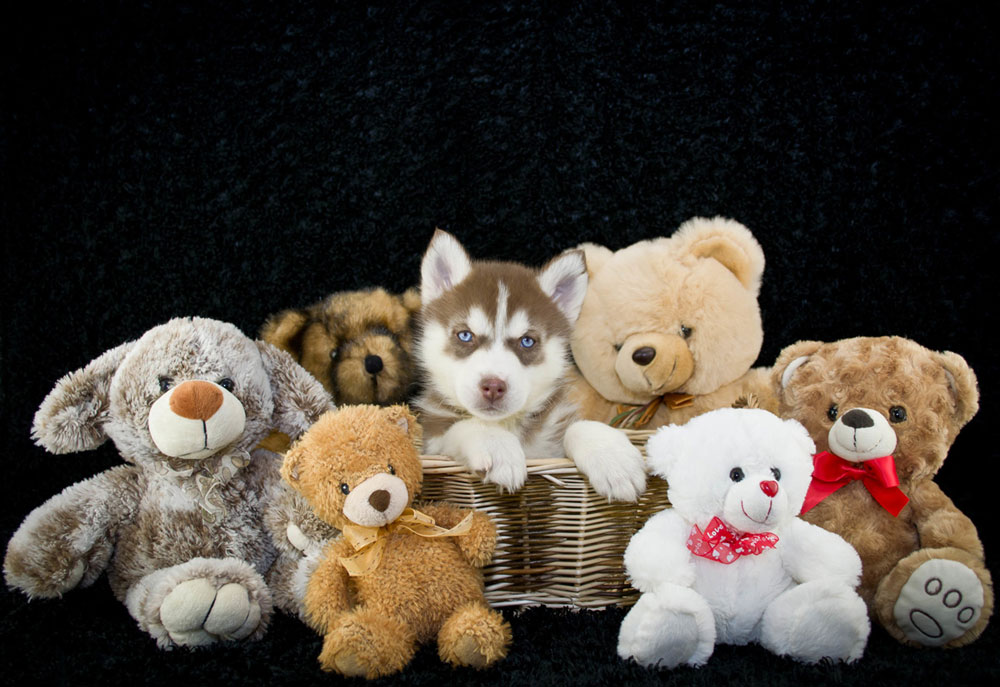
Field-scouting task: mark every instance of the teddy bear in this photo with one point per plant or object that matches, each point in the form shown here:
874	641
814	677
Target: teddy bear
670	327
884	412
357	343
401	574
731	562
180	527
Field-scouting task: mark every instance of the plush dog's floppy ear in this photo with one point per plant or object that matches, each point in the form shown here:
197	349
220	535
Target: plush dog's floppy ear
299	399
963	385
285	330
726	241
72	416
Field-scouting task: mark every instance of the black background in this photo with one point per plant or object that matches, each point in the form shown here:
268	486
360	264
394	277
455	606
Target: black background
231	159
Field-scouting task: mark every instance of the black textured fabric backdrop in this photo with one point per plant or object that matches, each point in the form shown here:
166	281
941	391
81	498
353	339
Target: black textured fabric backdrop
230	159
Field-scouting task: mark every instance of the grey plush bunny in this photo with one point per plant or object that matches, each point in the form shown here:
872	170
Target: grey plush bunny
184	528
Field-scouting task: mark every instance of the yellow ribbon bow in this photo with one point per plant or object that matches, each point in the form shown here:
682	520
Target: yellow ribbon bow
369	542
636	417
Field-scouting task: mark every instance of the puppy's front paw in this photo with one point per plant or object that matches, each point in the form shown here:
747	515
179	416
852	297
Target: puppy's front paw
613	465
499	455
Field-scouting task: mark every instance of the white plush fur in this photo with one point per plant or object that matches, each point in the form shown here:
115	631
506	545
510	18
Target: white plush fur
796	599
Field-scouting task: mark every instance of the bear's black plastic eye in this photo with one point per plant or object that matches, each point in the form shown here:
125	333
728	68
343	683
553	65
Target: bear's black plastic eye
897	414
344	489
165	383
736	474
392	470
227	384
832	412
618	347
777	473
333	354
686	331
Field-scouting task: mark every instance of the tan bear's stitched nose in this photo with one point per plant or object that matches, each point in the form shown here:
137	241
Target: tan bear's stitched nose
379	500
196	400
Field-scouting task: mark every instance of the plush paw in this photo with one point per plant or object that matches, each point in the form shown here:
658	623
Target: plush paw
667	630
196	612
816	621
940	602
608	459
500	457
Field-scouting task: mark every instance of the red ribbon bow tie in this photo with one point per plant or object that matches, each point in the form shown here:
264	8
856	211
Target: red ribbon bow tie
721	544
831	472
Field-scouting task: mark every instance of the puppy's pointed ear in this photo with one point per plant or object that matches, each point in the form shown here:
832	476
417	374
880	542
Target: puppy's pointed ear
285	329
444	266
564	280
299	399
72	416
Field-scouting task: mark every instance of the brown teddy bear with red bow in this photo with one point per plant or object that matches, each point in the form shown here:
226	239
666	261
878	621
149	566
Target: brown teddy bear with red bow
884	413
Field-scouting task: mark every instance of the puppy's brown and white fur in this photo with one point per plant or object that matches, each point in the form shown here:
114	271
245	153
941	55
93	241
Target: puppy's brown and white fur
493	348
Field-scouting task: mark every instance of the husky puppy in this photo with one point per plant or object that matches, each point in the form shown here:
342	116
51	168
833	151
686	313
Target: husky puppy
493	349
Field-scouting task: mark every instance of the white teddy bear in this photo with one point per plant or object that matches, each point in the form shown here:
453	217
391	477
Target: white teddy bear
731	563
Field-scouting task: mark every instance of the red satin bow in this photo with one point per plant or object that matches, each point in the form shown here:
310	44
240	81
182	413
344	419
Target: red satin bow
721	544
831	472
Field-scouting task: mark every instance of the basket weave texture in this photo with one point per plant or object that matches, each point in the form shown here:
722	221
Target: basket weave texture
559	542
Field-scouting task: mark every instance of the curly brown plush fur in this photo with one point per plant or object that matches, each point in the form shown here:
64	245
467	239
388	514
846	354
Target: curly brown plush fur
358	466
357	343
927	397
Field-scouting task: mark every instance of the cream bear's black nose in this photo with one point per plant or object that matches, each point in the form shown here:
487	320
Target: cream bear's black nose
857	419
644	355
379	500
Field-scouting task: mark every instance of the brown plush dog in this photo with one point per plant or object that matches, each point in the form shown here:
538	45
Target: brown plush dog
357	343
881	410
396	577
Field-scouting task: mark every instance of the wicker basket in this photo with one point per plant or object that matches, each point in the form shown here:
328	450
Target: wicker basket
560	544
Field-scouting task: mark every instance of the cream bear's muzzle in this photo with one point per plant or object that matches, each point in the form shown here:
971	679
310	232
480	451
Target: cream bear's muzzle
195	419
654	364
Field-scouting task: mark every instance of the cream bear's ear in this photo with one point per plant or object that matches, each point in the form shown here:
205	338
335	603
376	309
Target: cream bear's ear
963	385
664	448
595	256
445	264
72	416
726	241
789	360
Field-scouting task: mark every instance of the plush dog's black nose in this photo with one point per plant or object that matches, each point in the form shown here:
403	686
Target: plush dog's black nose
857	419
379	500
373	364
644	355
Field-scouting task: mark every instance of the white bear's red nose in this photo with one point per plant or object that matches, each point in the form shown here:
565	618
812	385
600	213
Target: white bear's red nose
769	487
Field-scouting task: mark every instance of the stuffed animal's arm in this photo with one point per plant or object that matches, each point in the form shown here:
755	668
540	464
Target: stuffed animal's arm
292	524
327	594
479	543
69	539
940	523
811	553
657	554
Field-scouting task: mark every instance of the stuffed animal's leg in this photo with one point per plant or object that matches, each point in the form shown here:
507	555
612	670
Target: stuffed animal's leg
367	643
668	627
614	467
201	601
474	635
816	620
935	597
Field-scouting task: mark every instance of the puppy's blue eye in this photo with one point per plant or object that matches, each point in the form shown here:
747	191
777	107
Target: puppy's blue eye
527	342
465	336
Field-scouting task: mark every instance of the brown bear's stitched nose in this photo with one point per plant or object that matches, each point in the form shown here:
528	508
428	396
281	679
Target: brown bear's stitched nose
644	355
373	364
769	487
857	419
492	388
379	500
196	400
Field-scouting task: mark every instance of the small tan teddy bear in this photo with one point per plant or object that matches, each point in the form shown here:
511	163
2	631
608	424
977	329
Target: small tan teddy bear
670	327
356	343
397	577
884	412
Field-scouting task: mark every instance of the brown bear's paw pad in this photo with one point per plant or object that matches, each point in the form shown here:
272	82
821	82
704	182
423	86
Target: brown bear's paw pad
940	602
365	645
474	636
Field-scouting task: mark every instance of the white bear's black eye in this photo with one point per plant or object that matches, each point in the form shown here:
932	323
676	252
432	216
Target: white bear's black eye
165	383
685	331
736	474
776	472
227	384
897	414
832	412
344	489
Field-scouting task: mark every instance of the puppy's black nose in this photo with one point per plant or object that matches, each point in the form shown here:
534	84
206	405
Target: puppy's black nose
857	419
379	500
644	355
373	364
